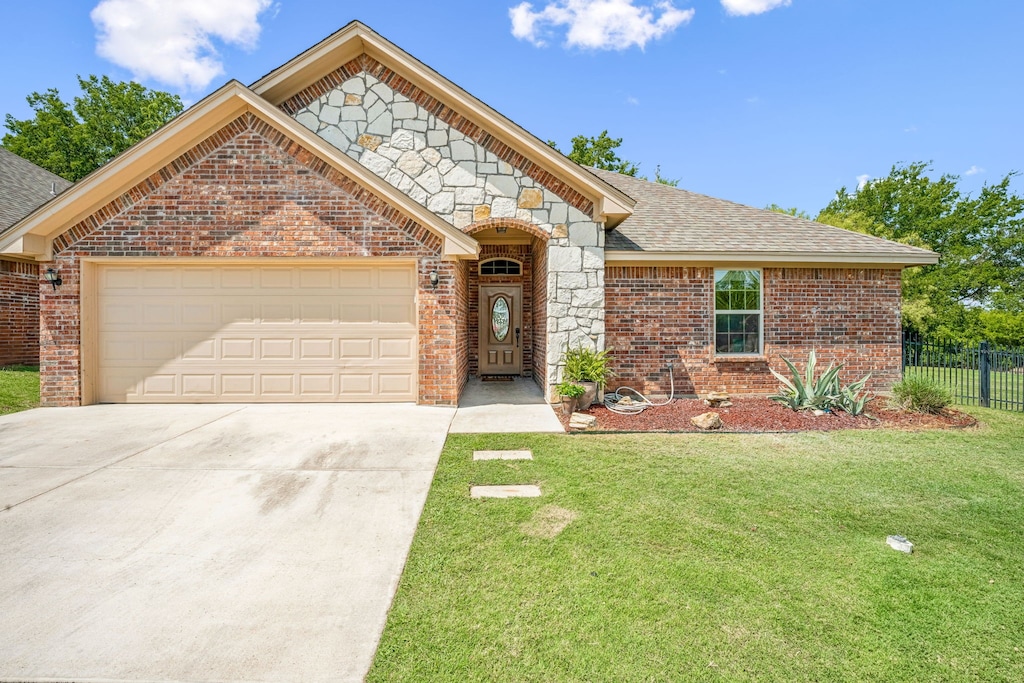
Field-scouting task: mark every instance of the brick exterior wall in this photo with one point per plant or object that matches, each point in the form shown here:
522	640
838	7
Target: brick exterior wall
539	253
248	191
658	315
463	350
19	313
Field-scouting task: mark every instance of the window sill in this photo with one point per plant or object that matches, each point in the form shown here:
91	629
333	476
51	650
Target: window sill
741	358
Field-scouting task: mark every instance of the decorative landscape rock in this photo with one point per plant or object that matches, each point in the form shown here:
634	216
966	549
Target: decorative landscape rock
582	421
717	399
707	421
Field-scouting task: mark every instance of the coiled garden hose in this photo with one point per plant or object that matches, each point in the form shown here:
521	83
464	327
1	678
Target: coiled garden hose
637	403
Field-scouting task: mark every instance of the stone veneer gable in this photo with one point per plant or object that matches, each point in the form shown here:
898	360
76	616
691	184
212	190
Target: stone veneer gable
457	178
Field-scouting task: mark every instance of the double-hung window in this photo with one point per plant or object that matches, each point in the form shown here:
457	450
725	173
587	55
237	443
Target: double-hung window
738	311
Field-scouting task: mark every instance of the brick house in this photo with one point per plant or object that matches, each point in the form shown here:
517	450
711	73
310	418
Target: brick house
23	187
355	227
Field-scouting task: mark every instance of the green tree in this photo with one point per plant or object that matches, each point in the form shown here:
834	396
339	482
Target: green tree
72	140
658	178
600	153
792	211
980	241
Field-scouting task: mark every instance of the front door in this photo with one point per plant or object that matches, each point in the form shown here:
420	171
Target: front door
501	321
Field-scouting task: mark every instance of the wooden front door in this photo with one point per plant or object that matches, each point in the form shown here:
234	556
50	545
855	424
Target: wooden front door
501	333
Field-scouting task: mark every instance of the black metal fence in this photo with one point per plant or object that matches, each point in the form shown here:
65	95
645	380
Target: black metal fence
983	374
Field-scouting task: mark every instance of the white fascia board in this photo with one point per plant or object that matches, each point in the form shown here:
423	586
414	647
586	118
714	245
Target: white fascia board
833	259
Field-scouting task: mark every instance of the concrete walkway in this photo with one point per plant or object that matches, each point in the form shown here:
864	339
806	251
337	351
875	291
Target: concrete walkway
206	543
494	407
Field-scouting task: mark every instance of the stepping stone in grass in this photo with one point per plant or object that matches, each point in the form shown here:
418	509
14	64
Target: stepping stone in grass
502	455
512	491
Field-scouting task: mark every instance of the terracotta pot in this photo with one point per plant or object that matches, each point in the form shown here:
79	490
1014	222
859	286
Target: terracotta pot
589	395
569	405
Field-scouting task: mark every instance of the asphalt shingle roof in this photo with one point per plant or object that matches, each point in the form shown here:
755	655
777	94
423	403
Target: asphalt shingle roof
668	219
24	187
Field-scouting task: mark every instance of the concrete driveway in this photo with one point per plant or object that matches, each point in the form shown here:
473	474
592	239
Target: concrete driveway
206	543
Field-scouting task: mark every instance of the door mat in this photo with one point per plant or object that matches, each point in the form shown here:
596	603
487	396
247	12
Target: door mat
497	378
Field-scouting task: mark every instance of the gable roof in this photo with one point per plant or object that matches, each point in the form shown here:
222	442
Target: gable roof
670	224
33	236
611	205
23	187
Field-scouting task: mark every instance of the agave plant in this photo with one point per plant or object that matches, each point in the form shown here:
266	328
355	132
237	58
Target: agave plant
821	393
809	393
851	399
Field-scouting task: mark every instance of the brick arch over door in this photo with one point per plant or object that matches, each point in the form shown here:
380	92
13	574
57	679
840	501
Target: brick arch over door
529	228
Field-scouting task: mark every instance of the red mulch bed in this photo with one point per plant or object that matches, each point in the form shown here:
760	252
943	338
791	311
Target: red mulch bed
763	415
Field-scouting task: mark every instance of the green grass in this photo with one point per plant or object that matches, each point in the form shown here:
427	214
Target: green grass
19	388
1004	386
722	557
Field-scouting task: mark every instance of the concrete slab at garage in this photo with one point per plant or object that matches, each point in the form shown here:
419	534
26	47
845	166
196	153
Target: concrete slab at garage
206	542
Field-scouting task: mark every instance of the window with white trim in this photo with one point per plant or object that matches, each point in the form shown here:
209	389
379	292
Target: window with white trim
738	311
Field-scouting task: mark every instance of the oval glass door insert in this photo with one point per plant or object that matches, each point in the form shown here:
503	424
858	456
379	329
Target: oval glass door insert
500	319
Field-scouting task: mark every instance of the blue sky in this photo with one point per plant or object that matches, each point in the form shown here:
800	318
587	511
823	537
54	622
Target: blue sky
756	101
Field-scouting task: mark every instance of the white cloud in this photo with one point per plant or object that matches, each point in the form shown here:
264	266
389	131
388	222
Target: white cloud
974	170
632	101
910	129
743	8
172	42
598	24
862	181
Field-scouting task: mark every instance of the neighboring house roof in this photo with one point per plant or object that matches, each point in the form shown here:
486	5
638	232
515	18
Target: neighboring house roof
33	236
673	224
355	39
24	187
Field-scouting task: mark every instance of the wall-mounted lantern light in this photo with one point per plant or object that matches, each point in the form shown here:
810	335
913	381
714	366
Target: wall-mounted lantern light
501	231
434	279
53	277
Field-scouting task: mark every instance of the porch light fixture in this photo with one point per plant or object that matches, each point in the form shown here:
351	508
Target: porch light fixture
501	230
434	279
53	277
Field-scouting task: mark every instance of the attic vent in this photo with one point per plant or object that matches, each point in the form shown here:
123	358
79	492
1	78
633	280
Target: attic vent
500	266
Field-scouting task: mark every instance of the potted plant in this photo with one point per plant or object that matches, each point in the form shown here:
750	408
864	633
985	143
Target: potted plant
570	393
590	368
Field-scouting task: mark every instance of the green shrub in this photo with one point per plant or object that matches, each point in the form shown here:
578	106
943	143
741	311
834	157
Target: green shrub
920	394
587	365
570	389
851	399
820	393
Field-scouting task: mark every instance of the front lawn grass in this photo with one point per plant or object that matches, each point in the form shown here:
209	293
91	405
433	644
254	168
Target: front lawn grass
720	557
19	388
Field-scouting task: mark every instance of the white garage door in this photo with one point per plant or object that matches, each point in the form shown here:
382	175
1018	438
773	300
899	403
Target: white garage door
255	333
